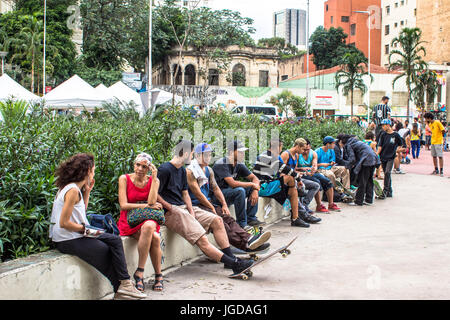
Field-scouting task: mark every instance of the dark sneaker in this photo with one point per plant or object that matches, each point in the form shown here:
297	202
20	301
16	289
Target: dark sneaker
259	239
308	218
256	222
353	204
299	223
262	247
240	265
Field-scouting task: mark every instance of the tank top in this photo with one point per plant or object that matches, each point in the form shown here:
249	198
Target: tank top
56	232
204	189
291	161
302	163
414	137
134	195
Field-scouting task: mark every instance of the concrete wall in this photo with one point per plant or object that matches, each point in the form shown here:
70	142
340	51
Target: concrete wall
52	275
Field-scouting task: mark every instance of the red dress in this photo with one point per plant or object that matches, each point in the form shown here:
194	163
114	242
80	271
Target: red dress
134	195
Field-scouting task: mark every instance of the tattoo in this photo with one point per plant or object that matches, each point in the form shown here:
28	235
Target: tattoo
212	180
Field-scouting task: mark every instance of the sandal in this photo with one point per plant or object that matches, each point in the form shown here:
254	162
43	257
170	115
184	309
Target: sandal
159	283
139	281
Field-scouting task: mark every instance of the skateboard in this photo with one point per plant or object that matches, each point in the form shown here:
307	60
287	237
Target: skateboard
255	255
377	188
346	191
247	273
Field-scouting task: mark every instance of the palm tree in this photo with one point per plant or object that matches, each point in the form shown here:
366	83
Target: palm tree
350	76
426	84
409	58
28	44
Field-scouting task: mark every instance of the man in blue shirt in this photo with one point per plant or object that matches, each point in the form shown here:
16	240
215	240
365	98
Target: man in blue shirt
326	163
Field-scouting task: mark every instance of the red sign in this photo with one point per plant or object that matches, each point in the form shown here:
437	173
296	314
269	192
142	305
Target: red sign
48	89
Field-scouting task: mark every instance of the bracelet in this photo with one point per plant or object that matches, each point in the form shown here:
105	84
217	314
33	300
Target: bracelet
84	228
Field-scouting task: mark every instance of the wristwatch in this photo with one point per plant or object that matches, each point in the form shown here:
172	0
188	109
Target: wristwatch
84	228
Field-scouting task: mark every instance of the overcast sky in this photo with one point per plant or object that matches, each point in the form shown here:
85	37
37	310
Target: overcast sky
261	12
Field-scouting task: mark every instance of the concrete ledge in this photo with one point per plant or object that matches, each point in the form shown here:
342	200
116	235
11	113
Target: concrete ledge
53	275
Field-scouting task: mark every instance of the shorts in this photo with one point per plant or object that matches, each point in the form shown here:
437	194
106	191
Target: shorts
436	150
180	221
428	140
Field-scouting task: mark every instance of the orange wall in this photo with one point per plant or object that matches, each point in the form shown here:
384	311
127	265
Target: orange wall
339	8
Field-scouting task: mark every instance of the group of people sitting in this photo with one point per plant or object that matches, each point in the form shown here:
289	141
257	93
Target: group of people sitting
191	198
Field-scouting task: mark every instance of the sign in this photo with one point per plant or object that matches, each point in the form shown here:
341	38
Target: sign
135	85
323	102
48	89
130	76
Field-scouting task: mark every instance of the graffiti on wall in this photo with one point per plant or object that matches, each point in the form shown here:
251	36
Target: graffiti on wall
195	95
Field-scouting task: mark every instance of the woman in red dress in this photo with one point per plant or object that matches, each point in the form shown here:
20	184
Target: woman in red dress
138	190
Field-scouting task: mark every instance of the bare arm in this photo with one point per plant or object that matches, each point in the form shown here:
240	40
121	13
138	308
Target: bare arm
218	193
187	201
195	189
70	199
123	200
153	194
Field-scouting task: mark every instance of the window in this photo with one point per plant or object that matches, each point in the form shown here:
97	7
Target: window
395	25
263	78
331	19
268	111
213	77
386	49
415	12
402	2
284	77
388	10
386	29
353	29
396	4
327	7
345	19
402	22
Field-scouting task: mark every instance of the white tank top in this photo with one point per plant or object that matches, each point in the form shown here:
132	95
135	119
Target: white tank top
57	233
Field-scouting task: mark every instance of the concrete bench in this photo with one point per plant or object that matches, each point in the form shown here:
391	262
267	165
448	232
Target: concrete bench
53	275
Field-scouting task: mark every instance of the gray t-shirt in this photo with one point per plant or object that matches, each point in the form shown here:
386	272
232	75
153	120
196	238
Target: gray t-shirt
224	169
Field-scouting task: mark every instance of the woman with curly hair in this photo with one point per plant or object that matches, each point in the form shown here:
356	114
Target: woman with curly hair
72	234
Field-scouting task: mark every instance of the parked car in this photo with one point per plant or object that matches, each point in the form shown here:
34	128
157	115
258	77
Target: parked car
269	111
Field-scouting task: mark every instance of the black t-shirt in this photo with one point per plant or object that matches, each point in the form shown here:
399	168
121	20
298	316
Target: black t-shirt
389	142
172	182
223	169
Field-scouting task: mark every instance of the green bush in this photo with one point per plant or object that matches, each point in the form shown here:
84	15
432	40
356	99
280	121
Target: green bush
32	147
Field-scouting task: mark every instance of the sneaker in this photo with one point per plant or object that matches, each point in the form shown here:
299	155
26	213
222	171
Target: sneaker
399	171
352	187
308	218
299	223
255	222
249	229
240	265
441	174
354	204
435	172
262	247
127	291
258	240
334	207
382	197
322	209
367	203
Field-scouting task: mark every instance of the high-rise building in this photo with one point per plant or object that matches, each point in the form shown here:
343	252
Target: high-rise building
341	13
397	14
290	24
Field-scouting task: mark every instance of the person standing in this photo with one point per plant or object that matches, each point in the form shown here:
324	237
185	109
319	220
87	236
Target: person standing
437	141
381	111
427	137
387	150
415	141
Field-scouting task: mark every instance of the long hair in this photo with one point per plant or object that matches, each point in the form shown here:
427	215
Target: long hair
74	169
415	129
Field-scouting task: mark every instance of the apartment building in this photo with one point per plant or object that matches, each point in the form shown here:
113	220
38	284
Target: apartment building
396	15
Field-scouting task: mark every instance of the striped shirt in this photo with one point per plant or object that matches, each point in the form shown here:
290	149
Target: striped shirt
381	112
266	167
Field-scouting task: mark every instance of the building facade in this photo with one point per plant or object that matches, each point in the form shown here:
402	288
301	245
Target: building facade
6	5
290	24
396	15
341	13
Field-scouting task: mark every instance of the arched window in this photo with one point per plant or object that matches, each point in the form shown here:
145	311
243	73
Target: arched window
238	75
177	80
189	75
213	77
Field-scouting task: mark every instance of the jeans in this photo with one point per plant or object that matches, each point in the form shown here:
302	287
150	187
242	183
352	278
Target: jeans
237	196
415	148
104	253
324	182
387	169
312	187
365	185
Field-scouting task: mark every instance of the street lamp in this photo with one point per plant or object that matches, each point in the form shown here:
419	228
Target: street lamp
3	55
45	32
370	78
149	77
307	59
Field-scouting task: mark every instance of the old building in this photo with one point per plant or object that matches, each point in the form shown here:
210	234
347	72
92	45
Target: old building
341	13
247	67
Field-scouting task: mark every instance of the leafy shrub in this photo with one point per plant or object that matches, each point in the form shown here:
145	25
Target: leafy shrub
32	147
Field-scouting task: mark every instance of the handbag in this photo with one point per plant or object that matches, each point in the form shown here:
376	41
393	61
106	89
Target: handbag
270	188
104	222
139	215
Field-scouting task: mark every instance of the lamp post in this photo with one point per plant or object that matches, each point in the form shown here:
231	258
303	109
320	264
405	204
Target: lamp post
370	79
45	30
3	55
307	58
149	77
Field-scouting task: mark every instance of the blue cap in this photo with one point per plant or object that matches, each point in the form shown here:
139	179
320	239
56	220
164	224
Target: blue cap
386	121
328	139
202	147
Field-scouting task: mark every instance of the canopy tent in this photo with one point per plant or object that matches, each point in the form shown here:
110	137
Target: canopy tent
125	94
158	97
102	89
10	89
76	92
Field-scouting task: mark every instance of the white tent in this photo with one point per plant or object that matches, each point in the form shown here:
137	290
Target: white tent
75	92
125	94
11	89
159	97
102	89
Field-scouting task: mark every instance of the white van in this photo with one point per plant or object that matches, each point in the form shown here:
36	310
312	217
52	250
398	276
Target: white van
269	111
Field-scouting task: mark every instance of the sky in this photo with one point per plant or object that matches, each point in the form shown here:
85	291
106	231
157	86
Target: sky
261	12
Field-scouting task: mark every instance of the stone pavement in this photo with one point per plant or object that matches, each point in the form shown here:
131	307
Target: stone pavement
398	248
424	165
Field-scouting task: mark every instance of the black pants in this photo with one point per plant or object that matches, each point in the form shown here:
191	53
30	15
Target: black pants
387	169
365	185
104	253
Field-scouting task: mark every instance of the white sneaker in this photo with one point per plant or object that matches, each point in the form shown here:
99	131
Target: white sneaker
127	291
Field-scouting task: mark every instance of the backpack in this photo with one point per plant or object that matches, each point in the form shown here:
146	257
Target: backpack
105	222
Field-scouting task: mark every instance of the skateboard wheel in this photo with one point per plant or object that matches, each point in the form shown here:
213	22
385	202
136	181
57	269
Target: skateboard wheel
288	251
284	254
250	274
244	277
256	258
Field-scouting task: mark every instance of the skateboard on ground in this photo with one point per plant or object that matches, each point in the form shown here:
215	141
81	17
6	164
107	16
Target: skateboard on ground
247	273
346	191
377	188
255	255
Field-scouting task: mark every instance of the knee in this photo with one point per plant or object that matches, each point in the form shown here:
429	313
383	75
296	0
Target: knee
156	240
240	193
148	227
218	222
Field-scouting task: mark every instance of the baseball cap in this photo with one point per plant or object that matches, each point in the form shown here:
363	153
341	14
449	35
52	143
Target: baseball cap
236	146
202	147
328	139
386	121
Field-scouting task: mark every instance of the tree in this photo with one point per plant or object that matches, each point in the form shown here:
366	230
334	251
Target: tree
426	85
409	58
350	76
285	50
286	101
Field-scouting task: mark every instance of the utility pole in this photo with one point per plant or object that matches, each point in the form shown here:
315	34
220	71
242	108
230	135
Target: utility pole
307	59
45	31
149	75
